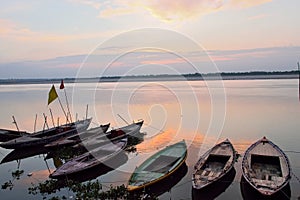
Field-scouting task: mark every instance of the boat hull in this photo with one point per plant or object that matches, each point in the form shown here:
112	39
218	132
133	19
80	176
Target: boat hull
6	134
213	165
77	138
266	167
90	159
45	137
149	163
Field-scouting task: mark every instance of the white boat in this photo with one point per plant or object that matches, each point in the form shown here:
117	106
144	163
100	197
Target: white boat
214	164
266	167
90	159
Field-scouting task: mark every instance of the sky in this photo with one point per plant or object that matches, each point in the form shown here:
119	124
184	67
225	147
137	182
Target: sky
89	38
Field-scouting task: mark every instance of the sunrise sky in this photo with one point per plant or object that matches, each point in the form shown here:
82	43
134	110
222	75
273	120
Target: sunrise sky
51	38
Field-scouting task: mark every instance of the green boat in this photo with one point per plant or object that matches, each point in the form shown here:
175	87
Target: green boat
158	166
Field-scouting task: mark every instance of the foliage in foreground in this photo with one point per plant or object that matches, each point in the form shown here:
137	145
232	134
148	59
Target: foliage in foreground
88	190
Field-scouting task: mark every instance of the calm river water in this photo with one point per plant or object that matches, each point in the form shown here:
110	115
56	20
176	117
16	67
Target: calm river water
201	113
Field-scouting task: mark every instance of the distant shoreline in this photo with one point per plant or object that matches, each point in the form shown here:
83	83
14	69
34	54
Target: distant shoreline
153	78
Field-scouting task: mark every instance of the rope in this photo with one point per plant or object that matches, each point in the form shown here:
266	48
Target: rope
292	152
298	179
2	153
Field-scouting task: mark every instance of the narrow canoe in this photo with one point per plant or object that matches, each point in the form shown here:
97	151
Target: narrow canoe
214	164
126	131
6	134
159	166
47	136
77	138
266	167
90	159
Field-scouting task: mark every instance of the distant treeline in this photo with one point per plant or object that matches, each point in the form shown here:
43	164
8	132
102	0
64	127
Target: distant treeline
194	76
252	73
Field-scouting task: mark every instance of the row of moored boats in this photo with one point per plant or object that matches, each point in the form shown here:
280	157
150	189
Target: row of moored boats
264	166
101	144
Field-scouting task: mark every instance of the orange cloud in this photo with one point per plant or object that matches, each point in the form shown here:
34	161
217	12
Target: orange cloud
170	10
246	3
256	17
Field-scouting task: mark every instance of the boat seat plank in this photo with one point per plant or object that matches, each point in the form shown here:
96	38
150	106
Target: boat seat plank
162	164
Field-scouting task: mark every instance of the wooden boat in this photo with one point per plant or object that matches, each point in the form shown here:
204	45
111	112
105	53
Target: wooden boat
7	134
47	136
214	164
213	191
77	138
159	166
130	130
266	167
90	159
19	154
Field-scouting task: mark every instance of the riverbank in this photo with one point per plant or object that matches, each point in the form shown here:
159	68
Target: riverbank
153	78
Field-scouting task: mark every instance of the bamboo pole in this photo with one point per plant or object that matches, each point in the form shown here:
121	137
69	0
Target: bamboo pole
15	122
299	81
86	112
52	117
123	119
45	122
35	120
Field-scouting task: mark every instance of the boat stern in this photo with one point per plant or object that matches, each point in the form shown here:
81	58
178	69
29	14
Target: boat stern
131	188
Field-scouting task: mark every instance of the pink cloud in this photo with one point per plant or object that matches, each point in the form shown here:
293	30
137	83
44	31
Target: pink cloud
221	58
164	61
256	17
246	3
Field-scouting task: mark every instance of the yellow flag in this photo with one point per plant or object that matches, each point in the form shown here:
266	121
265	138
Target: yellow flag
52	95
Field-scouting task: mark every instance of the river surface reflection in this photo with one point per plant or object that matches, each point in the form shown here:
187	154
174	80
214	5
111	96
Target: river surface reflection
201	114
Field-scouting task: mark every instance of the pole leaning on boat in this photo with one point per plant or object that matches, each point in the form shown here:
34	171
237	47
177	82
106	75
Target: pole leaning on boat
298	81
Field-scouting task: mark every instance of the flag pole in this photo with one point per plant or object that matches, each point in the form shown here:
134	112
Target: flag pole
62	86
63	109
52	96
68	104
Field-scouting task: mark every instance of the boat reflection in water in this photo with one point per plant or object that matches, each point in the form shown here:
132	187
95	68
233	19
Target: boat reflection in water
163	185
98	170
249	192
215	189
26	152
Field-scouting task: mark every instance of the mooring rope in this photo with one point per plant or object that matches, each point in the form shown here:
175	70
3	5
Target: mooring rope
298	179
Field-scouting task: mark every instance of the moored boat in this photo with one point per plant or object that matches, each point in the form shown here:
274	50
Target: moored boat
47	136
77	138
90	159
7	134
214	164
130	130
159	166
266	167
